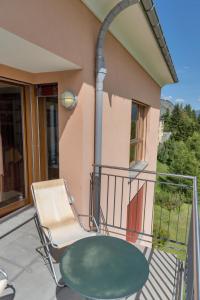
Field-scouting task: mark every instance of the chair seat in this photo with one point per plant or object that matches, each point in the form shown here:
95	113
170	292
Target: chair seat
3	284
66	233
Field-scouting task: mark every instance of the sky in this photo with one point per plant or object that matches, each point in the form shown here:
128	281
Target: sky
180	21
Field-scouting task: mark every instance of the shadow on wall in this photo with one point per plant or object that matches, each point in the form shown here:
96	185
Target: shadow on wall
74	81
71	81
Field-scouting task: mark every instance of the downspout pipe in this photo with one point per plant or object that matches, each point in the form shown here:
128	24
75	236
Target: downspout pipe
100	76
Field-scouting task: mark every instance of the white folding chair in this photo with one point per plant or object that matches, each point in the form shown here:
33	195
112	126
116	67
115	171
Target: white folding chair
57	220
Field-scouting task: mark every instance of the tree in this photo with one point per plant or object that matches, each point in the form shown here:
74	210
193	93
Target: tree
188	125
167	119
169	199
182	122
193	143
184	161
165	152
190	112
181	153
198	121
175	118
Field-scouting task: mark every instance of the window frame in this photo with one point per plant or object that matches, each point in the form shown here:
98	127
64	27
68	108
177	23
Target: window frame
140	140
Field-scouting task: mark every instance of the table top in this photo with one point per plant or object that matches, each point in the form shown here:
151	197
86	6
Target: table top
103	267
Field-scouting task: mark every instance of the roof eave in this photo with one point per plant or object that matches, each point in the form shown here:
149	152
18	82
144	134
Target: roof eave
150	52
152	17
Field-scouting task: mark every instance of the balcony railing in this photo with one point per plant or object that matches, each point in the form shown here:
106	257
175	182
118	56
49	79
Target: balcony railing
152	209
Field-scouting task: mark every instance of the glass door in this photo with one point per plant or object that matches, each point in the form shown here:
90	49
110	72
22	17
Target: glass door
13	179
48	131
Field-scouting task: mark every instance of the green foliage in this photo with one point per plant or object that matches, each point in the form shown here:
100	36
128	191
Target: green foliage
168	199
193	144
181	153
162	168
182	122
160	237
166	118
173	196
164	152
183	160
198	121
171	226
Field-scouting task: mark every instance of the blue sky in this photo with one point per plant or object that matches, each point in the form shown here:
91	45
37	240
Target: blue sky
180	21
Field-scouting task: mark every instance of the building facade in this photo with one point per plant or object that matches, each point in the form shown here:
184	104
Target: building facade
47	48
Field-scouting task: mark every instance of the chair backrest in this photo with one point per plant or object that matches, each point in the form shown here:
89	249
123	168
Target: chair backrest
52	201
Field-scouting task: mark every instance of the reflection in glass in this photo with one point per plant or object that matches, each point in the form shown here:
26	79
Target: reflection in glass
52	137
134	118
12	183
137	133
48	130
132	152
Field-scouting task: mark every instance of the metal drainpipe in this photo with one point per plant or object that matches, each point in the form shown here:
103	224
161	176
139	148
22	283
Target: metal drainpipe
100	76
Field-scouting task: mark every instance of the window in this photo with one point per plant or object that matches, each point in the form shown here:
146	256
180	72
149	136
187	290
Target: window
137	132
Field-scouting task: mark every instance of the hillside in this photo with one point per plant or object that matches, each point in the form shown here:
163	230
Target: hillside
164	105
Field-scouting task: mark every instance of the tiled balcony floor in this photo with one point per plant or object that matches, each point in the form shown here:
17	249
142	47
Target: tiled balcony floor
32	280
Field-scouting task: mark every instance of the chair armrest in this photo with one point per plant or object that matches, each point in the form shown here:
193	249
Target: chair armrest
71	200
93	219
43	227
48	231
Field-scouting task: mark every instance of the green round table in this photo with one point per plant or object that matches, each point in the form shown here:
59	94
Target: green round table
103	267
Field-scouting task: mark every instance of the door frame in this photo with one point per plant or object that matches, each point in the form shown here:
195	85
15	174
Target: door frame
31	144
41	107
42	132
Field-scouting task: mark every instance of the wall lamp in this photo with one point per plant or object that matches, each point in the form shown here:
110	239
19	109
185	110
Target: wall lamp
68	100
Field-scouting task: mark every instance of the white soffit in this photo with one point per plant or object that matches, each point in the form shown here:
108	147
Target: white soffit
21	54
133	31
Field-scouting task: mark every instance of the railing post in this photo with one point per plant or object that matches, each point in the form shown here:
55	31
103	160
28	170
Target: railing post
192	267
193	252
196	244
97	193
189	276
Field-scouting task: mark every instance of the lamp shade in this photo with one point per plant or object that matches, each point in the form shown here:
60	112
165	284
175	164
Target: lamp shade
68	100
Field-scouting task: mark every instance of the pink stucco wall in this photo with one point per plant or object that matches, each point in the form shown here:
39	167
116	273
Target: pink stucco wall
68	28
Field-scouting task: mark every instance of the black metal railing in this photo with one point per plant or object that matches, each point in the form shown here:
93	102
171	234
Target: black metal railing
154	209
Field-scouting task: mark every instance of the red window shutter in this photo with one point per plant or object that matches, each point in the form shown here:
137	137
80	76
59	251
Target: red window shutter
134	216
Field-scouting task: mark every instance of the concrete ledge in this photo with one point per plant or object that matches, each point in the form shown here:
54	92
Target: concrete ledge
14	220
138	167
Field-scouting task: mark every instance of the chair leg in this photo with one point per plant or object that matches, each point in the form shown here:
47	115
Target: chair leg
45	246
41	238
38	228
51	264
10	286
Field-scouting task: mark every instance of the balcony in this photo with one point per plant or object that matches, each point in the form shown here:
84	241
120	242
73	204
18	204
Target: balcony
165	234
159	213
